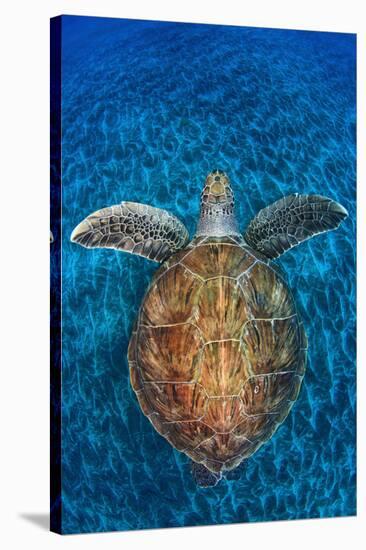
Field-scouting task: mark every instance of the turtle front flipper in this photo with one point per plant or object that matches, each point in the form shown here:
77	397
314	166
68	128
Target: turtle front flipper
290	221
132	227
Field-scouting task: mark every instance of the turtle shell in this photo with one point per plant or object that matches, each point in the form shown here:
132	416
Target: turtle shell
218	352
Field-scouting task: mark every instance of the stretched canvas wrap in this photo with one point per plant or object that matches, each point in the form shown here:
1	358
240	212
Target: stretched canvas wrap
203	220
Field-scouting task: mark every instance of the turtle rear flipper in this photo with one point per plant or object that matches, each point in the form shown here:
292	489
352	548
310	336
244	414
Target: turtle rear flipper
236	473
132	227
203	477
290	221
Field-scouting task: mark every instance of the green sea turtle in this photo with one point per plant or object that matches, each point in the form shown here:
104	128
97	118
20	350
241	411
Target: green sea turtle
218	351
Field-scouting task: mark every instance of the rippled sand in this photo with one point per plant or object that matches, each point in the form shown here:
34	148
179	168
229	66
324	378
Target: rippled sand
148	109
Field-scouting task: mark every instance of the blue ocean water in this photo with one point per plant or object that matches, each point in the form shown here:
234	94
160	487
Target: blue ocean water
148	109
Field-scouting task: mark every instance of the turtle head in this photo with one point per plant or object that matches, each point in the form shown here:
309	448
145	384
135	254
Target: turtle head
217	190
217	206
